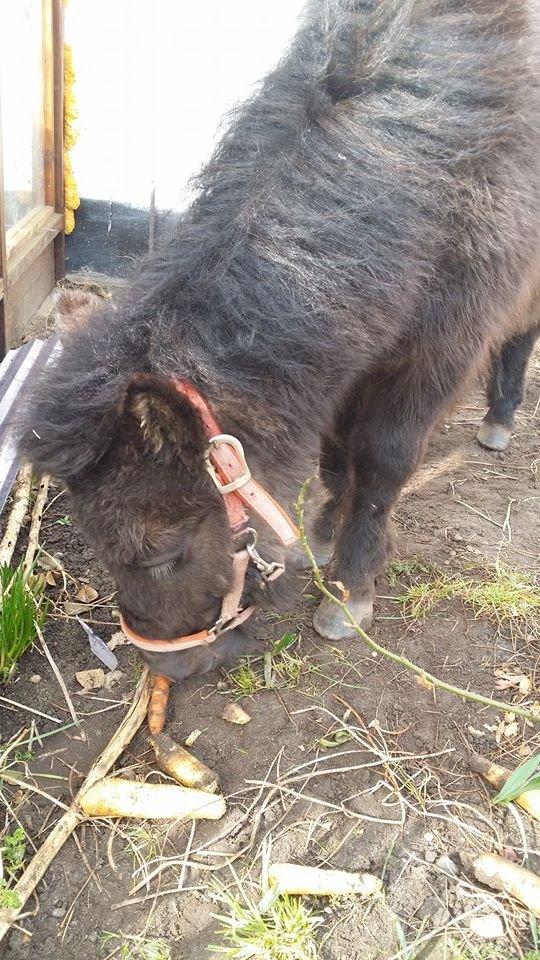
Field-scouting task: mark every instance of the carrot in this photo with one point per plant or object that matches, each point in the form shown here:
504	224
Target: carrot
115	797
158	703
516	881
293	878
182	766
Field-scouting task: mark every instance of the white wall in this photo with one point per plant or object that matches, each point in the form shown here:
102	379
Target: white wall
154	78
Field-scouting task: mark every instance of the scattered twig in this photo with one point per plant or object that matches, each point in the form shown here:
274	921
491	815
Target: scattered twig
35	525
61	683
428	679
21	499
24	706
73	816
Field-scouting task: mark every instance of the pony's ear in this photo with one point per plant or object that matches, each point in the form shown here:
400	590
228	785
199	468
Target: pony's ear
167	423
73	309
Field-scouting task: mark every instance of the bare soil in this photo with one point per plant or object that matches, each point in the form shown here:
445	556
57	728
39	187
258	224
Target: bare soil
466	509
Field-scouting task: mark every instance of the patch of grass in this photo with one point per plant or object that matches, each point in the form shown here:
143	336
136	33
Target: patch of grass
245	680
145	842
504	595
22	606
276	669
281	928
133	947
8	898
405	567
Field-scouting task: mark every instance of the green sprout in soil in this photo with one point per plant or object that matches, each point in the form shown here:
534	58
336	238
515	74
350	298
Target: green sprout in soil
283	929
22	607
12	853
525	777
505	595
133	947
64	521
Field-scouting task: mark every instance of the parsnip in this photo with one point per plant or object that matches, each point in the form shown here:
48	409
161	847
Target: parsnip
510	878
294	878
497	777
182	766
114	797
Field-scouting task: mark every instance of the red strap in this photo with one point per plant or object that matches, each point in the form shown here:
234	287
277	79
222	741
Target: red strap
229	466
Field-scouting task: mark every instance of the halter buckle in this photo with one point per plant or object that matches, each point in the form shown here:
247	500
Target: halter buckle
245	476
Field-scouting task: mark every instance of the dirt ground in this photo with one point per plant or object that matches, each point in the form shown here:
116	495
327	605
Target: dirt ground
389	793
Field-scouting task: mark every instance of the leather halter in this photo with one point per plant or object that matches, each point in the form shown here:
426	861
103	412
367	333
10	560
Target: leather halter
226	464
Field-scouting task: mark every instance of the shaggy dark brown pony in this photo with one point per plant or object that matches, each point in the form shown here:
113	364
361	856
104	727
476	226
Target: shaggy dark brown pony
366	233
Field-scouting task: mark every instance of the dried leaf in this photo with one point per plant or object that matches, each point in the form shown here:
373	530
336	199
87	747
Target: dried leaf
91	679
73	609
235	714
86	594
50	578
525	686
193	736
117	640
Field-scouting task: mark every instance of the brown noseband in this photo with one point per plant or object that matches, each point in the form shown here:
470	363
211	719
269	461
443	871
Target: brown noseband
226	464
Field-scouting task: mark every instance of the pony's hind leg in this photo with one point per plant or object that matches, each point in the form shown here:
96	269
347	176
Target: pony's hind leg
505	389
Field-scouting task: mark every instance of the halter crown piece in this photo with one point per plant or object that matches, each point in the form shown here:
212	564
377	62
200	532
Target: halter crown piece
226	463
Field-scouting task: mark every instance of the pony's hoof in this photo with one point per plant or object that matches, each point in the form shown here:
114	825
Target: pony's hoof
494	436
330	621
323	553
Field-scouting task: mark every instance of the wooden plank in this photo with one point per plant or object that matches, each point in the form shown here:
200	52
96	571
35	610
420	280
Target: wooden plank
58	97
4	333
48	102
31	238
57	9
28	293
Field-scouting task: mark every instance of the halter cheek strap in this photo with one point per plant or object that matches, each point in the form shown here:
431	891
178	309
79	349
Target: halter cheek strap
226	464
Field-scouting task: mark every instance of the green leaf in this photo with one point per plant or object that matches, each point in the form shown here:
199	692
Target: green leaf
525	777
286	641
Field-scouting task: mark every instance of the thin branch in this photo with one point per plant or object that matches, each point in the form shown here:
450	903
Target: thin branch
427	678
21	499
35	524
61	683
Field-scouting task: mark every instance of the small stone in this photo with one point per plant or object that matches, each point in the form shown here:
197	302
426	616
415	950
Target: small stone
35	678
446	864
430	856
489	926
233	713
58	912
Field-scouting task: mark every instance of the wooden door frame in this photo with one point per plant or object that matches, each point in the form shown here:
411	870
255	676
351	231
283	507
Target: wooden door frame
46	226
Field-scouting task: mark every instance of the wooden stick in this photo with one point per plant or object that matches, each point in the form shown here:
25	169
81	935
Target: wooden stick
21	499
42	860
427	679
35	524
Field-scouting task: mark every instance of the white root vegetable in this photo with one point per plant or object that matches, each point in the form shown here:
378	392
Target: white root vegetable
115	797
293	878
182	766
510	878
